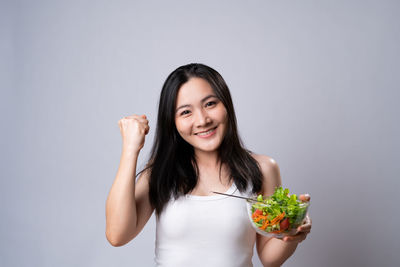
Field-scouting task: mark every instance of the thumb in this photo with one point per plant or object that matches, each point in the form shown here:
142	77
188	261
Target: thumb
305	197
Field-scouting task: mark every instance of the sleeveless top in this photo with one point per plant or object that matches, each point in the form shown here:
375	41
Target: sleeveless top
205	231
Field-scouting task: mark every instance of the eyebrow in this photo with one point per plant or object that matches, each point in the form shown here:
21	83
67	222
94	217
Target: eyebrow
202	101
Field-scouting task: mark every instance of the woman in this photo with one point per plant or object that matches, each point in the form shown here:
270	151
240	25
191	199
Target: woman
197	150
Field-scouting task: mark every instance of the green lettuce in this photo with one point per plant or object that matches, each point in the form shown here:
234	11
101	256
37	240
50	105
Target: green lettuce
280	202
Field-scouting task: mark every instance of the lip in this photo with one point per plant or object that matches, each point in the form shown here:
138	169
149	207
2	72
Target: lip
213	131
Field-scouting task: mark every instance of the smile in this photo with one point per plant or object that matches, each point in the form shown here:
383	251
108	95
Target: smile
207	133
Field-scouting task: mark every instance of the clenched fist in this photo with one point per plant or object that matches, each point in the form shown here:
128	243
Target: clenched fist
133	130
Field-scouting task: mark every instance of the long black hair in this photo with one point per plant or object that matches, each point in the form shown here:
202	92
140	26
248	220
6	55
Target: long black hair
172	164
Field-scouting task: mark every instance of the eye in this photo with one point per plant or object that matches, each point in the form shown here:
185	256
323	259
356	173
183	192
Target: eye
211	103
185	112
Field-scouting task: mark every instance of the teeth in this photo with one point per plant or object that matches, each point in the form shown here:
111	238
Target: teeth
208	132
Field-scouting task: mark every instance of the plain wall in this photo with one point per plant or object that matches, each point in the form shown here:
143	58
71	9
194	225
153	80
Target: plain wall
315	85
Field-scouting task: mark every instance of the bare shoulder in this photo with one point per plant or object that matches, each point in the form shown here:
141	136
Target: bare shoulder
265	162
270	171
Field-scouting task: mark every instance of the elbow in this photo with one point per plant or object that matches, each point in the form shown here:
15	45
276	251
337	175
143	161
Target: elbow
114	240
115	243
272	264
272	261
118	239
277	259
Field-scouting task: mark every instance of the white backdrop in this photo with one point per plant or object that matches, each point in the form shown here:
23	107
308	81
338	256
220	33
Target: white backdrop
314	83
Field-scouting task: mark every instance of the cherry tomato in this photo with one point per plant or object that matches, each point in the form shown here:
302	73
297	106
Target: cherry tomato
284	224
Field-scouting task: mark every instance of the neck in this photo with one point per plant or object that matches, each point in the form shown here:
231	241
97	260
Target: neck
207	159
211	173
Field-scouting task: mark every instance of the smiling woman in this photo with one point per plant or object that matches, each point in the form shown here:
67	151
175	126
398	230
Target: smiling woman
196	150
195	139
201	117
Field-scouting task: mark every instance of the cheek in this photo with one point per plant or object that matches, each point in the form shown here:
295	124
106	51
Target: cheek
222	115
223	118
183	126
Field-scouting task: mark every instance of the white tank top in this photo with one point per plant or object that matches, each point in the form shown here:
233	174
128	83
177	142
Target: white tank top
205	231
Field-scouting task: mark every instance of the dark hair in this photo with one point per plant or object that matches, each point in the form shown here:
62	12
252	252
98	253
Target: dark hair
173	168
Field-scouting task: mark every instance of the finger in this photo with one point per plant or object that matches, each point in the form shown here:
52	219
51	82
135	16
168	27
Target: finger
134	116
305	197
306	225
304	233
295	238
304	228
142	119
145	121
129	117
147	129
307	220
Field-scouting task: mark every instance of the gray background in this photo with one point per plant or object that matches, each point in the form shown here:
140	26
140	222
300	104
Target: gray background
314	83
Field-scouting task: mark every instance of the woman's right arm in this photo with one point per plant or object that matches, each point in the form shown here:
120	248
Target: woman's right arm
128	206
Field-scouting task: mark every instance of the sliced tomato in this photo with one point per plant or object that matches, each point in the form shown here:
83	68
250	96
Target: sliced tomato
257	212
284	224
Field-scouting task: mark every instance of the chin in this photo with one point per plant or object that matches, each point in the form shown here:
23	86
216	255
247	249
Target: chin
210	148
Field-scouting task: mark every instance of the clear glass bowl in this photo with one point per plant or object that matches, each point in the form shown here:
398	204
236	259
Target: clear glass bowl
284	224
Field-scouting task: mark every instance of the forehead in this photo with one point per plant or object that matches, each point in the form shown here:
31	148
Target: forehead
193	91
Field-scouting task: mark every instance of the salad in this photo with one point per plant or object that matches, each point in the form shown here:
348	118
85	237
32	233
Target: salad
280	213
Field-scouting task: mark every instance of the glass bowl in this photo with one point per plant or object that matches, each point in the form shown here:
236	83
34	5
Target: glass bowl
275	220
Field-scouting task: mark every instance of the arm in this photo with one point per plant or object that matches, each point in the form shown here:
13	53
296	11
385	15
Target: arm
128	206
273	251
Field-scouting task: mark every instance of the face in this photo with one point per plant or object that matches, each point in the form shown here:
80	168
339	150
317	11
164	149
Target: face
200	117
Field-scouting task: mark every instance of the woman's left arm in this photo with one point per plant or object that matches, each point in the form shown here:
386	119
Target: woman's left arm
273	251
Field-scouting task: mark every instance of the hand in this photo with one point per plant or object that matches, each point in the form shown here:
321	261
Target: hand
133	129
304	229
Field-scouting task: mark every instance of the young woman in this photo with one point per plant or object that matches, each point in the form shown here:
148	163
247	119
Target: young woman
197	150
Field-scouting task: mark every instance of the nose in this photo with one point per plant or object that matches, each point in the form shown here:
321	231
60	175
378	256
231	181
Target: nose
202	118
